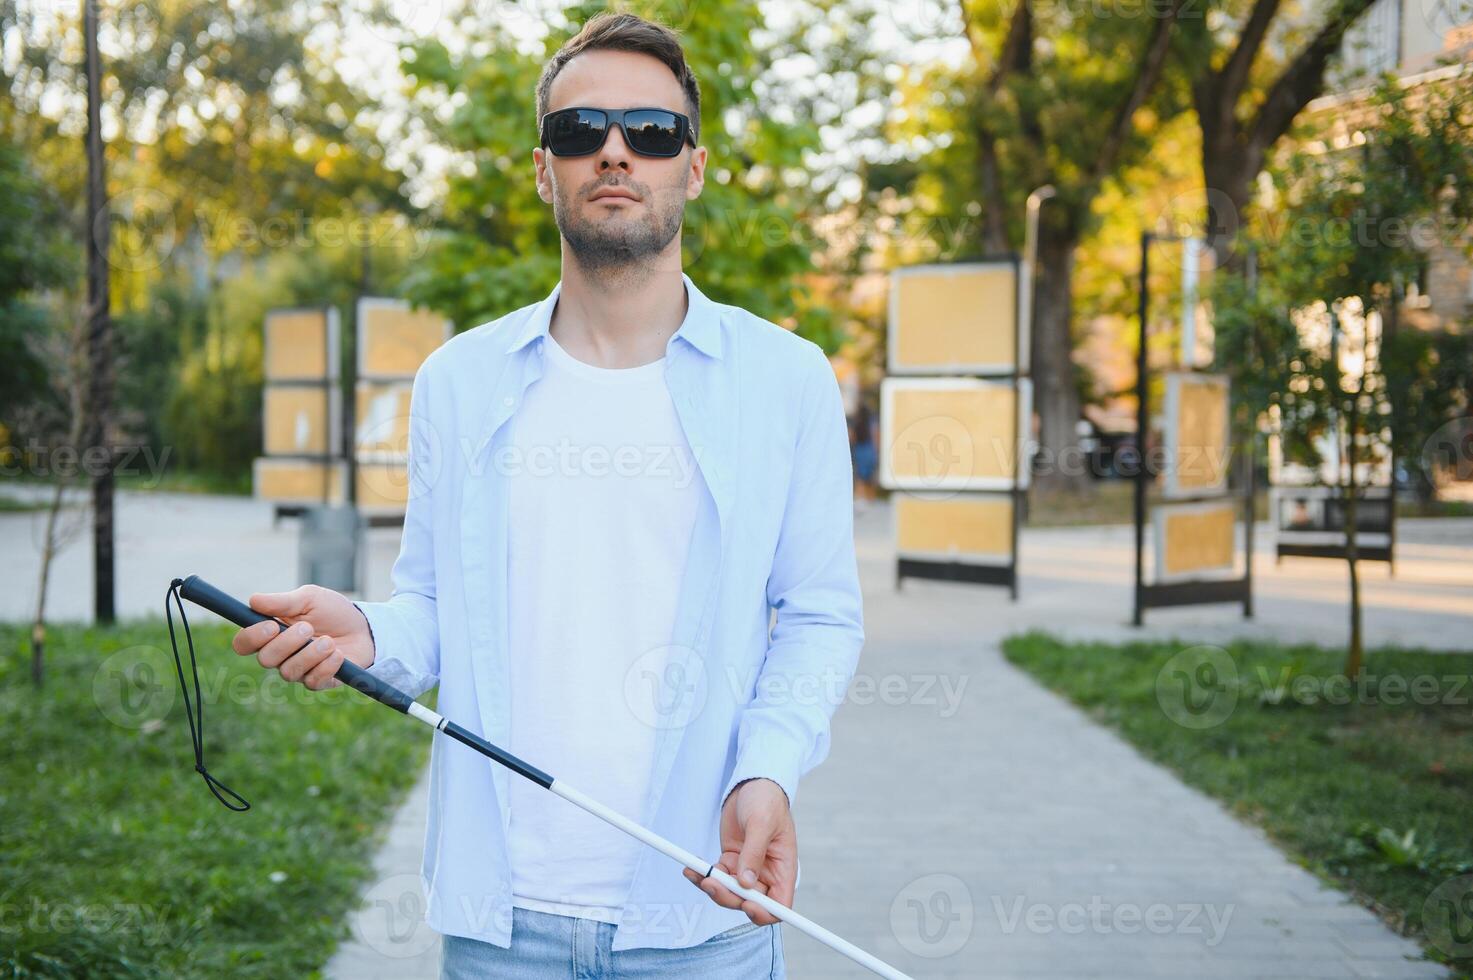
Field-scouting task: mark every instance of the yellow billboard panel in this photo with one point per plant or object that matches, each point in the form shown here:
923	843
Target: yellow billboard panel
382	487
952	433
301	345
299	481
299	420
975	528
955	319
1195	540
382	419
1197	448
394	340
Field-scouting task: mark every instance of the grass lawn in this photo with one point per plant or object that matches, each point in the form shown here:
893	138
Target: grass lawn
1369	785
11	505
115	860
1113	502
176	480
1109	502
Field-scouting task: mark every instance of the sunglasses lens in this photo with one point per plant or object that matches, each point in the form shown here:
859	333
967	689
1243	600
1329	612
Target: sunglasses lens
575	132
654	132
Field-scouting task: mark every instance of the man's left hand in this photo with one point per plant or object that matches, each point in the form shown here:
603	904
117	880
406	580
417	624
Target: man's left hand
759	848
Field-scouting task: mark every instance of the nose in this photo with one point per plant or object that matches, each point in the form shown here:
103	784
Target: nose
615	152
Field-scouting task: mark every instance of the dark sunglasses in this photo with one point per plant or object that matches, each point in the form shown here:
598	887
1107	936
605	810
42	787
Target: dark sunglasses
579	131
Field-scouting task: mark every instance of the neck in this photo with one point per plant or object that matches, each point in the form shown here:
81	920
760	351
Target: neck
619	317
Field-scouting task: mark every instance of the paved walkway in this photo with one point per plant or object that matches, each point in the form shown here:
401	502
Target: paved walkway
1010	836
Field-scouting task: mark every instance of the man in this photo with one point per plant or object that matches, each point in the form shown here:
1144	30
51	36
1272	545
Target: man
612	491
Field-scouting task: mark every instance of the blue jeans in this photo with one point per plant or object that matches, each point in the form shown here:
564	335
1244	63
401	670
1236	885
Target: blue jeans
559	947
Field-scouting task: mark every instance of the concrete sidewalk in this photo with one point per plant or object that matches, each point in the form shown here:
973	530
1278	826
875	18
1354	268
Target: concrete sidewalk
968	823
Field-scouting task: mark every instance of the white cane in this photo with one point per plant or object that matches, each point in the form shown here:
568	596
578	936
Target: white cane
227	607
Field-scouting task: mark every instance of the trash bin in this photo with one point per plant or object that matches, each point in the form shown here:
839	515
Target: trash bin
327	550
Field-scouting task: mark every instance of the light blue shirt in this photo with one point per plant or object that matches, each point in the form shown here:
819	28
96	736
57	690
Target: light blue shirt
743	696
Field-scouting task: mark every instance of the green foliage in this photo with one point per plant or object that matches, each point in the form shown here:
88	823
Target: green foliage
745	239
244	175
1370	790
115	861
1429	378
1050	118
34	256
1385	847
1348	232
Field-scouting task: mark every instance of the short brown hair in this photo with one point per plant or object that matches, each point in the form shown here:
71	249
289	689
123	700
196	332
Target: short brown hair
609	31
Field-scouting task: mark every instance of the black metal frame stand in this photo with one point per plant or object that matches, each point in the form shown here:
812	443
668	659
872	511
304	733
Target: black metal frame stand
977	574
1156	595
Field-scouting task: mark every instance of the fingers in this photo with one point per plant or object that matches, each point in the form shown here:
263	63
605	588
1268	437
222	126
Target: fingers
755	912
322	676
284	605
714	889
781	890
726	898
284	645
299	664
758	835
253	638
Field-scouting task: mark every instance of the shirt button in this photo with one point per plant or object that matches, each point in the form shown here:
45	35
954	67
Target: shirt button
507	400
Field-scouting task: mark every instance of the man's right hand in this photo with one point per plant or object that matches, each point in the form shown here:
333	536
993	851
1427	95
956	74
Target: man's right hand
340	629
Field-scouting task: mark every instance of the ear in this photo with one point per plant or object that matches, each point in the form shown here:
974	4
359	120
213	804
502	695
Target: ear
696	179
541	165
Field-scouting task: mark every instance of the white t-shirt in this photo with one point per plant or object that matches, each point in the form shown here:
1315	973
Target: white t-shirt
603	496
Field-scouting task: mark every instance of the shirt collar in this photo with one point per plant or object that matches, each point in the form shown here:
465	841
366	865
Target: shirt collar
701	327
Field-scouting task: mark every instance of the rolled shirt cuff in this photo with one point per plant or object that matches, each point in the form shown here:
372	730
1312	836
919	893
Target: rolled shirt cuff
767	757
383	627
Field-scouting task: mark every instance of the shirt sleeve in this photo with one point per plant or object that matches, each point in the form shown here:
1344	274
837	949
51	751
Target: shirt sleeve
405	628
813	649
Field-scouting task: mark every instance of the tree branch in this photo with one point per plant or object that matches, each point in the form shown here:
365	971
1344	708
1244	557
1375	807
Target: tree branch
1304	78
1148	73
1017	48
1233	77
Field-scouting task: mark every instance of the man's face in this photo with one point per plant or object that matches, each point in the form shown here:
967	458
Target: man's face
604	227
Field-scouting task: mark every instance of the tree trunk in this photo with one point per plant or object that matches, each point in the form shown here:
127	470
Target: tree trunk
100	332
48	552
1061	465
1355	655
1228	172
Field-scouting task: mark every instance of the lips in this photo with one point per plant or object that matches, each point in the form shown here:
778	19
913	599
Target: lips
613	192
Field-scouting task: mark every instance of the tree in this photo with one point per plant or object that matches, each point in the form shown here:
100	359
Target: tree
34	257
235	146
1247	93
1318	338
1049	94
42	378
746	238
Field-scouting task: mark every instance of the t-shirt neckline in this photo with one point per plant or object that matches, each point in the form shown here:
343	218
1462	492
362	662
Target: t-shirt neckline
640	372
